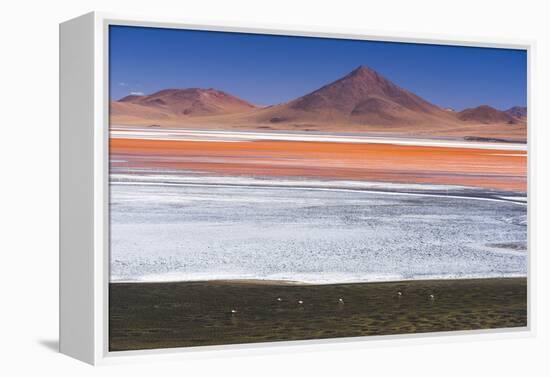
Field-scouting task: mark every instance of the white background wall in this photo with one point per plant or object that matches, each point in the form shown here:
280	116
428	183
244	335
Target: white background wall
29	189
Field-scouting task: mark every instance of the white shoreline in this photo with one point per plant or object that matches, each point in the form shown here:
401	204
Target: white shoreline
180	134
268	281
521	201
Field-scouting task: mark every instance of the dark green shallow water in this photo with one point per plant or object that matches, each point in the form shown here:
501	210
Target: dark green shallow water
165	315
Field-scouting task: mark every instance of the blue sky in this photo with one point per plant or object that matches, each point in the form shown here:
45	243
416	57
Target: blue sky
265	69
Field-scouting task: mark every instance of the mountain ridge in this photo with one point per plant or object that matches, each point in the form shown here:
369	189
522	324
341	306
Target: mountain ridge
486	114
191	102
519	112
361	101
363	96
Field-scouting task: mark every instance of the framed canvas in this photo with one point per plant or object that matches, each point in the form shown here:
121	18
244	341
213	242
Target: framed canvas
233	189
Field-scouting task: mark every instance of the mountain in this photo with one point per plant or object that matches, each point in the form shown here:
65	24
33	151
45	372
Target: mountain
132	98
185	103
361	97
519	112
360	92
487	115
361	101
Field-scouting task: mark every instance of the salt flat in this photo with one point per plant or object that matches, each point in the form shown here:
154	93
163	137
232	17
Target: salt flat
184	232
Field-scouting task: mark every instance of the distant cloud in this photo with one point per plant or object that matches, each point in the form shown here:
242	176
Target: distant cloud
137	93
122	84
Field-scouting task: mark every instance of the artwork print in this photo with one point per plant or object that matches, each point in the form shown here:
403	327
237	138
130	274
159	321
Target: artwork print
272	188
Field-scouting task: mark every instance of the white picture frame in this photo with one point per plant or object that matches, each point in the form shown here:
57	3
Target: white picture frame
84	233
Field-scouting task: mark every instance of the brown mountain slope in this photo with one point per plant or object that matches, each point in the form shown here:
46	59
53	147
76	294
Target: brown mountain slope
360	89
131	113
361	97
519	112
362	101
132	98
487	115
189	102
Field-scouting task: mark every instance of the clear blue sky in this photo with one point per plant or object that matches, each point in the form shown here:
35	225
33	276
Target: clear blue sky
265	69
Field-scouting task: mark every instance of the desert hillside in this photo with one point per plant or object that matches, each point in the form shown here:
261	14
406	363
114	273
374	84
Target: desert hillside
488	115
361	101
363	97
519	112
172	104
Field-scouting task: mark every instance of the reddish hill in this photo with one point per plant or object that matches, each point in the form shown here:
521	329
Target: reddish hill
127	112
131	98
361	97
190	102
519	112
361	91
361	101
486	114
